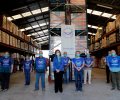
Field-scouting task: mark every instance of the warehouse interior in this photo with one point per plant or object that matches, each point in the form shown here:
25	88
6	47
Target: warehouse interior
27	26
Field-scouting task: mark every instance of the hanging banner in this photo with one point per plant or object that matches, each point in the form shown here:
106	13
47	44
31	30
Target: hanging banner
68	40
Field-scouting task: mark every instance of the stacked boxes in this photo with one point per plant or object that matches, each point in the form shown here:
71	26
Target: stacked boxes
110	26
112	38
118	20
18	43
104	42
118	49
7	39
22	45
10	39
97	45
0	36
3	22
98	34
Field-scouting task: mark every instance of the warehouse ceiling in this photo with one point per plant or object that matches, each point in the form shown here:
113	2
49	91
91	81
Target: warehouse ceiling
32	16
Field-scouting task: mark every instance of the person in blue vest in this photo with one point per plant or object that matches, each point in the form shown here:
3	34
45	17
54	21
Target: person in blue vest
40	69
27	69
58	71
78	63
66	63
88	68
114	66
7	68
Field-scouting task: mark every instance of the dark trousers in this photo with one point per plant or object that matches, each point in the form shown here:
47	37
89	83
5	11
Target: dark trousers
27	77
58	81
78	79
108	78
5	80
115	79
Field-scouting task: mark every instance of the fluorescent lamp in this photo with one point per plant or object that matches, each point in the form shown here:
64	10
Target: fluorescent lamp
95	27
45	31
104	6
45	37
35	26
99	27
93	34
96	12
43	24
28	28
106	15
89	11
89	33
17	16
29	35
113	17
43	42
26	14
45	9
37	11
89	25
10	18
22	30
41	32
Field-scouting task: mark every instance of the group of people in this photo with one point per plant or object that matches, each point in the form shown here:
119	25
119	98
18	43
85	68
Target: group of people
81	66
61	63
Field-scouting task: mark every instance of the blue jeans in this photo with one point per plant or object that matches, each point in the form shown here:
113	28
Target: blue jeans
66	76
27	77
78	79
38	75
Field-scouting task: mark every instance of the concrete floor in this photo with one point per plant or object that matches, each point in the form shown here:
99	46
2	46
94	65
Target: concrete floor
98	90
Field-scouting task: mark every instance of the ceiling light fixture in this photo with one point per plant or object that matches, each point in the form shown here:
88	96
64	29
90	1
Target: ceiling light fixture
17	16
10	18
104	6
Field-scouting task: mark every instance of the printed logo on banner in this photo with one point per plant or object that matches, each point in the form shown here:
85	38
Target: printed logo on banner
68	32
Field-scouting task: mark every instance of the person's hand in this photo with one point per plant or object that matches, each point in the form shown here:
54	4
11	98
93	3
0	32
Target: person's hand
79	69
57	70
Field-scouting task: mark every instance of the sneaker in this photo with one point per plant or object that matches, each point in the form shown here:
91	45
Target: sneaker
118	89
36	89
5	90
43	89
89	83
112	88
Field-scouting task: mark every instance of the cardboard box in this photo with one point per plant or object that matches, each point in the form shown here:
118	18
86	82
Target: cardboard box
112	38
7	39
11	39
3	37
3	21
18	43
110	26
0	36
104	42
117	20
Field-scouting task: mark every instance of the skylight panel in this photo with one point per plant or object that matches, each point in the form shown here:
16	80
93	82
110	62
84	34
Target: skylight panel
10	18
26	14
37	11
17	16
89	11
96	13
45	9
106	15
28	28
